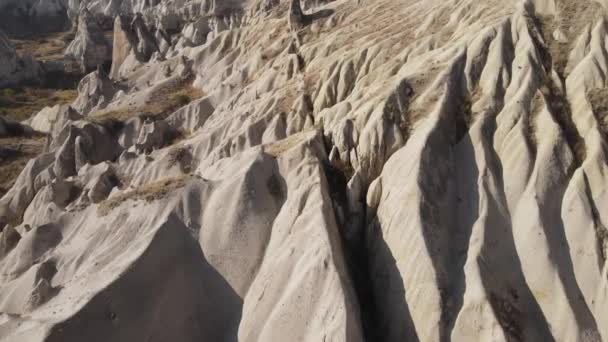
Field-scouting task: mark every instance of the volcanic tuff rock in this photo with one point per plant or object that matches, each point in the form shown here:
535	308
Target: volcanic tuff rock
90	48
342	170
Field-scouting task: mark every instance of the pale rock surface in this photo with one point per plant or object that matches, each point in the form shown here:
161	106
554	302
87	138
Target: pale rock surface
152	135
52	119
381	170
90	48
95	91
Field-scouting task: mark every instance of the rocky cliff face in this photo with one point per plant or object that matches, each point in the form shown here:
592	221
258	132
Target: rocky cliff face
372	170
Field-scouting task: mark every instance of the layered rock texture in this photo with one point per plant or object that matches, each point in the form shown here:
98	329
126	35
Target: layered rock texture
372	170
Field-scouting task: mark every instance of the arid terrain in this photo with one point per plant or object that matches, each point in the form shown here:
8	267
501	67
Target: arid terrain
303	170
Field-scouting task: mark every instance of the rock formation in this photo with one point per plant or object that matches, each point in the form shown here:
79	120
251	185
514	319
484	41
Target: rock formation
90	48
371	170
297	19
134	43
95	92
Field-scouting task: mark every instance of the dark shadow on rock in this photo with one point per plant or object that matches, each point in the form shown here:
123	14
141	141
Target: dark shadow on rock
448	222
512	301
373	270
319	15
385	311
560	257
466	214
171	293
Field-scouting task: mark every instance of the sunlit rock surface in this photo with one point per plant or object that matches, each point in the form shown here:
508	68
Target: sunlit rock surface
344	170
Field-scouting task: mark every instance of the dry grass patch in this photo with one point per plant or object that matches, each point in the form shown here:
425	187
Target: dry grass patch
19	104
560	109
14	155
599	102
573	16
149	192
275	149
45	47
163	103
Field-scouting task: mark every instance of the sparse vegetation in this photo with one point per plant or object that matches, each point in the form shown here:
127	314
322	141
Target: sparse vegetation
275	149
464	118
14	155
599	102
46	47
182	156
559	107
148	192
568	23
19	104
536	106
164	103
509	316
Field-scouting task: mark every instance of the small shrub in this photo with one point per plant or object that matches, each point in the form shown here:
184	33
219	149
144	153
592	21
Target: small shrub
183	100
8	93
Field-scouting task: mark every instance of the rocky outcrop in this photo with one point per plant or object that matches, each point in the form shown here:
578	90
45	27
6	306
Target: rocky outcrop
90	48
384	171
134	43
95	91
52	120
121	44
144	44
153	135
297	18
196	33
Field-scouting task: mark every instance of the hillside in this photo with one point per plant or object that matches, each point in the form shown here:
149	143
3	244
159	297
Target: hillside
315	170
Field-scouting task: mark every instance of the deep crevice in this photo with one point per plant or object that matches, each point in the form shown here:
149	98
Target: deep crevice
353	235
555	95
600	230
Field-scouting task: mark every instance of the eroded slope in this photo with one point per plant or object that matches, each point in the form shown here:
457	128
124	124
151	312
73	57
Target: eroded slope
369	170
